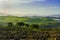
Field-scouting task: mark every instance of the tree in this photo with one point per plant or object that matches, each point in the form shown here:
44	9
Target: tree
20	24
10	24
35	26
27	25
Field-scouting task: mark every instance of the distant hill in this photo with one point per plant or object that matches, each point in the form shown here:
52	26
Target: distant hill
11	19
55	16
28	19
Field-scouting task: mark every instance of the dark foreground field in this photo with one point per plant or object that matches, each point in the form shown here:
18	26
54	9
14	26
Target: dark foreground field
6	34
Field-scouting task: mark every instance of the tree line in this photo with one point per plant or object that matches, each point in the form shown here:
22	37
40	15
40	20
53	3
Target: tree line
21	24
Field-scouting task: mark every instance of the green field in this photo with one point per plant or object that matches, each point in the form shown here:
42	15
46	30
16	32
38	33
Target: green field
16	28
25	19
41	21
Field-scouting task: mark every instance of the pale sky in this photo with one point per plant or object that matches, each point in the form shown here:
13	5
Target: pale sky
29	7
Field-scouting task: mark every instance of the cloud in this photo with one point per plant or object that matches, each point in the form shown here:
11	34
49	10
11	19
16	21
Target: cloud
9	3
28	1
18	7
21	1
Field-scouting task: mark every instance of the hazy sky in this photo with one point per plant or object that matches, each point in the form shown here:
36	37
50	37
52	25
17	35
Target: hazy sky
29	7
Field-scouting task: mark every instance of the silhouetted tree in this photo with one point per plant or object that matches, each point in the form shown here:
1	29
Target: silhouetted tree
10	24
27	25
35	26
19	24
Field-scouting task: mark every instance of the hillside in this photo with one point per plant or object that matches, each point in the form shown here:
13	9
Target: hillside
24	19
41	21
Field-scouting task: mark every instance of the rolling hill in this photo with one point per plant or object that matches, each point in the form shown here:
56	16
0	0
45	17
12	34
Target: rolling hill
41	21
24	19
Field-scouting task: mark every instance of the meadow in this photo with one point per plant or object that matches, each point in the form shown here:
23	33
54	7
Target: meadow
29	28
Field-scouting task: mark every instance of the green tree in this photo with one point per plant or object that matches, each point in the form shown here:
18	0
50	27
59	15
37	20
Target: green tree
20	24
10	24
35	26
27	25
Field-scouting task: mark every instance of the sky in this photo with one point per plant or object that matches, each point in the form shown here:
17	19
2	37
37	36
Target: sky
29	7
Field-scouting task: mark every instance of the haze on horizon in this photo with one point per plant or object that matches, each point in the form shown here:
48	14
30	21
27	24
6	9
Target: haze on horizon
29	7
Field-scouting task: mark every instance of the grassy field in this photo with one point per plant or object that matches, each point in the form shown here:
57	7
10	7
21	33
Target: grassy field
41	21
25	19
37	28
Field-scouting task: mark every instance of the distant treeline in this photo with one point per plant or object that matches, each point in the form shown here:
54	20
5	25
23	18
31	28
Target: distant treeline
19	25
